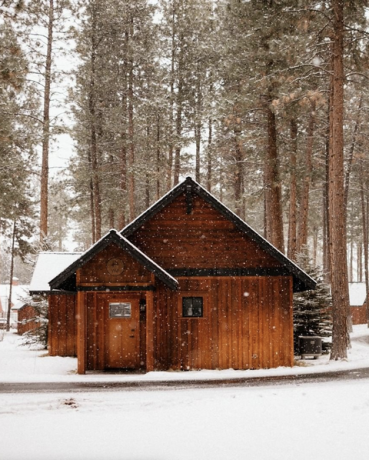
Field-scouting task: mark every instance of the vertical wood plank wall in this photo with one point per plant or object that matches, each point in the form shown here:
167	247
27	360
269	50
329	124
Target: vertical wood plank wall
247	324
62	339
26	321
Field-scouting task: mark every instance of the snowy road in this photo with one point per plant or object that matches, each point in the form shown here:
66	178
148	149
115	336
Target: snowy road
78	387
285	422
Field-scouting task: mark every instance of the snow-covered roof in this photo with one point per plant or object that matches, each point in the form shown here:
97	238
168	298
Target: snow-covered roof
18	294
357	293
49	265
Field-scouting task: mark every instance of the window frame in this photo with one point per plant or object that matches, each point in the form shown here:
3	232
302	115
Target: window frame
203	295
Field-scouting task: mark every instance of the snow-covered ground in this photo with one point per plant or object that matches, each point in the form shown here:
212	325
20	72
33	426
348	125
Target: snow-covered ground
301	421
20	364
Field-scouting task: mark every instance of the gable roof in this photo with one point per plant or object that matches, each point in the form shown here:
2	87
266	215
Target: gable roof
19	292
63	279
48	266
301	280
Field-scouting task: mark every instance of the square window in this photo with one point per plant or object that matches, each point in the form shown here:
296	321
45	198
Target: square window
119	310
192	307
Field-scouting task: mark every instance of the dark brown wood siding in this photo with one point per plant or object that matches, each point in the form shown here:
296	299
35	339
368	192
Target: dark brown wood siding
26	319
202	239
247	324
95	272
359	314
62	338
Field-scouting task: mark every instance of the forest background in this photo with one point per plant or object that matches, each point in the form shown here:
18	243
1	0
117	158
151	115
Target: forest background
265	103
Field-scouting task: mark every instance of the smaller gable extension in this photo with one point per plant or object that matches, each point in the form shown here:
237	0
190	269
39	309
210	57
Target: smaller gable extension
66	280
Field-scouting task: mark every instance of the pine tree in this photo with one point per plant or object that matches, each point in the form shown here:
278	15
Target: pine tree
312	309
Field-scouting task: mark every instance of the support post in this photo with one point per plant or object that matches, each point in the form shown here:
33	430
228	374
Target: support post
81	333
149	331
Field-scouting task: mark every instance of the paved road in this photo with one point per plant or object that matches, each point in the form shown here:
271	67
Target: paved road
79	387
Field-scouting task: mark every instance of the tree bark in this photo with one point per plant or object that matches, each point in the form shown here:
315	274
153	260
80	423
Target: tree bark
352	150
93	131
171	109
365	231
336	209
238	174
198	125
292	222
11	280
304	209
209	155
46	129
273	206
131	177
123	149
158	157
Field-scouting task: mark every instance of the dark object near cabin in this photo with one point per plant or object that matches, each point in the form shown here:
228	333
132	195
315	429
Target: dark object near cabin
310	346
187	285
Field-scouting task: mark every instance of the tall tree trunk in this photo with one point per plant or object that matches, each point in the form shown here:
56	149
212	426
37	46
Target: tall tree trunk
238	174
326	258
131	176
177	151
304	208
11	279
209	155
352	150
124	138
179	110
292	221
93	130
360	262
46	129
158	157
365	230
336	209
171	109
198	125
351	267
273	208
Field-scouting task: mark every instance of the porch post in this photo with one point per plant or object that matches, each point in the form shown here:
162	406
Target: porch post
81	333
149	331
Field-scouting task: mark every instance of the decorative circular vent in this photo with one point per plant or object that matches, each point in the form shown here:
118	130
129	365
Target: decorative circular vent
115	266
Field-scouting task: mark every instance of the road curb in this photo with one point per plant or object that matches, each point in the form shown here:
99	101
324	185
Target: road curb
55	387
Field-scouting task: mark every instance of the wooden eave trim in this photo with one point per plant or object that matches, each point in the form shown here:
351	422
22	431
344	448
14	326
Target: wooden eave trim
56	292
108	289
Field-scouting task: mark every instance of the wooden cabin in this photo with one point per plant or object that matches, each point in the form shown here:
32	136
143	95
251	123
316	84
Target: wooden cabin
187	285
27	318
357	295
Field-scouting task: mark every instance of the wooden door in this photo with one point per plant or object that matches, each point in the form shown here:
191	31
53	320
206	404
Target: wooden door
122	332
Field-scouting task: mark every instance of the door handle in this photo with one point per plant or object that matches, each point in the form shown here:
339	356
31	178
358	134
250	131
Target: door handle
132	336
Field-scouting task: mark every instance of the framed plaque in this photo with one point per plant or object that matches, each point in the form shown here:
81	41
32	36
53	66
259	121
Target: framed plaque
120	310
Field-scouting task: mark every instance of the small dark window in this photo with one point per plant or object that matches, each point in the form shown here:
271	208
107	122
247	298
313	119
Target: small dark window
192	307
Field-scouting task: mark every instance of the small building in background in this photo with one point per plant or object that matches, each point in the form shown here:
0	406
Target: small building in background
26	317
357	292
19	294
